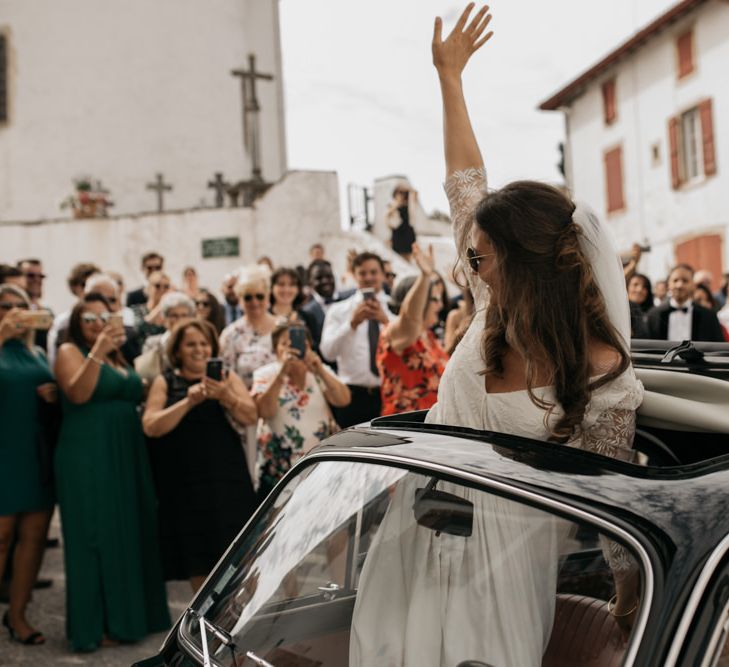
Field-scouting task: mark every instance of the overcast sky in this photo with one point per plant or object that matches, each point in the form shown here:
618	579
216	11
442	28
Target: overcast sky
362	94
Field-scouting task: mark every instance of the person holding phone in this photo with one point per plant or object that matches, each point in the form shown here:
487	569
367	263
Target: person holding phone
26	497
398	217
350	337
293	395
114	586
203	482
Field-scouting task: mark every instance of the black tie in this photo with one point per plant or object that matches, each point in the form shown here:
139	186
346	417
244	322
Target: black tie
671	309
373	335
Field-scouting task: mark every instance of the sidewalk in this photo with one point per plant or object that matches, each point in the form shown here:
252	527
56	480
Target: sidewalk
47	613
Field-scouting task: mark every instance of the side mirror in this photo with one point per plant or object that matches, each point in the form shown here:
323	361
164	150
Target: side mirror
444	513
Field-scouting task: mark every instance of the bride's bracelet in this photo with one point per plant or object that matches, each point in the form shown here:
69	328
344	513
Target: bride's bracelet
611	607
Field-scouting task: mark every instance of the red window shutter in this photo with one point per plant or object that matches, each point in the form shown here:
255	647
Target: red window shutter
707	137
608	101
685	49
614	179
673	149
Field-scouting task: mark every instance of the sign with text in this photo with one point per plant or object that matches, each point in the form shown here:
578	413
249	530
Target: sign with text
226	246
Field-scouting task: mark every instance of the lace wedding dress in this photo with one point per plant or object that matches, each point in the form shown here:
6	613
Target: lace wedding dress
435	600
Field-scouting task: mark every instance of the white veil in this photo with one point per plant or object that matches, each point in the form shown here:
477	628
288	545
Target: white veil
597	243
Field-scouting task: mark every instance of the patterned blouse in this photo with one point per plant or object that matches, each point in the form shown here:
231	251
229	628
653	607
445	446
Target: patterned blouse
302	421
243	350
410	379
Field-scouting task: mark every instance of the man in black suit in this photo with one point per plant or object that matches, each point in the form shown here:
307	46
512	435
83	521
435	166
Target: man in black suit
151	262
320	278
680	318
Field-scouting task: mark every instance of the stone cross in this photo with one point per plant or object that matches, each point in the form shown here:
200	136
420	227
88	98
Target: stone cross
160	187
220	187
251	130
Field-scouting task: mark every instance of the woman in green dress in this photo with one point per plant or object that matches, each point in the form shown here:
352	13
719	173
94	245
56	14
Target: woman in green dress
115	589
26	500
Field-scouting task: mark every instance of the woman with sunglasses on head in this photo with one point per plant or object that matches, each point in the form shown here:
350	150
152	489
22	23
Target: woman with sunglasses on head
208	308
545	357
26	498
115	590
410	357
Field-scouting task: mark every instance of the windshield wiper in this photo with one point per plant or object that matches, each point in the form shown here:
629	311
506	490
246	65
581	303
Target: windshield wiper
225	639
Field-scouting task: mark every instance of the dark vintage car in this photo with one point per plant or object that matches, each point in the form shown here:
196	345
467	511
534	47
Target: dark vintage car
310	580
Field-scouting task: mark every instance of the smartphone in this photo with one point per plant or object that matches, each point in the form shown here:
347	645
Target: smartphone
116	320
368	294
214	369
297	338
37	319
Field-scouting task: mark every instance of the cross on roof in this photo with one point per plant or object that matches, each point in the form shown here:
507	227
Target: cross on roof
220	187
160	187
251	108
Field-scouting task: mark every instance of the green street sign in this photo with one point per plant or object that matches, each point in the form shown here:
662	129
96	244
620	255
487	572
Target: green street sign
226	246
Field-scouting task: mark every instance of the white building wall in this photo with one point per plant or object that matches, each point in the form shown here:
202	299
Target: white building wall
120	90
648	94
117	243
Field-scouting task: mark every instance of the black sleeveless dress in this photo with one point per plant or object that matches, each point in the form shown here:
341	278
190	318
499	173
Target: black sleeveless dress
403	236
203	487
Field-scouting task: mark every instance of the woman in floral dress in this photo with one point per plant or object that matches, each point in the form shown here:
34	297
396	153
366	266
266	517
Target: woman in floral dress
409	356
293	396
245	345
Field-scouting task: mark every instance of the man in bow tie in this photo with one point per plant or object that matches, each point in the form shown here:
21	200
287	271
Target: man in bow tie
680	318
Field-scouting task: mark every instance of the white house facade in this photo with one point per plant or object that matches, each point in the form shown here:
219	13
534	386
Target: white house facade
120	91
647	138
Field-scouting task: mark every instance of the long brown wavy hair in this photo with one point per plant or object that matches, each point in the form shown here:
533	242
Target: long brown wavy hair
545	303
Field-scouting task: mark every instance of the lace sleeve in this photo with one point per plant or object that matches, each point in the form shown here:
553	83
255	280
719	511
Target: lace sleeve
465	189
612	434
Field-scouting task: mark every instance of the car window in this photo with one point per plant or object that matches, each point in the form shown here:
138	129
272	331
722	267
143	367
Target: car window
362	564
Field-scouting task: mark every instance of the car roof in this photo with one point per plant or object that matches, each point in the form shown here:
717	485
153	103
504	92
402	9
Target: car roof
686	504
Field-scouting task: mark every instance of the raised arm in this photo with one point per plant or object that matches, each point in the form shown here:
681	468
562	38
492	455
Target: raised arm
408	327
450	57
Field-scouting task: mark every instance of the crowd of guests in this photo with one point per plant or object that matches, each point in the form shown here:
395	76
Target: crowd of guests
681	307
159	419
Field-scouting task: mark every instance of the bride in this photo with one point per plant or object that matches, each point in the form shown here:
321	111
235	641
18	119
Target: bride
546	357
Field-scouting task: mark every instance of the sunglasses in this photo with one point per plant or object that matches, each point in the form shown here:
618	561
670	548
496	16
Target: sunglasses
161	285
10	306
153	267
203	304
249	297
93	318
33	275
474	260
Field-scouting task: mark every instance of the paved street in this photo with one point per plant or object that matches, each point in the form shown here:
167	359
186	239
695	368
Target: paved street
47	613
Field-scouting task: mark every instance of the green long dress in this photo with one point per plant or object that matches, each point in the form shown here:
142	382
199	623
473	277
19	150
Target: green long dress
114	582
22	487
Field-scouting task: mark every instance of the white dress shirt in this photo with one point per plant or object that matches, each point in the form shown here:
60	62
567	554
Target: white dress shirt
350	347
679	323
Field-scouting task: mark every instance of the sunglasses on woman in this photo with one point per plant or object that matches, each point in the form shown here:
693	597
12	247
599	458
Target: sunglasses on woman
249	297
93	318
202	304
474	260
9	306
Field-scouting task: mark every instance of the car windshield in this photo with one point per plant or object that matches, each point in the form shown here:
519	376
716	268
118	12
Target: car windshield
361	564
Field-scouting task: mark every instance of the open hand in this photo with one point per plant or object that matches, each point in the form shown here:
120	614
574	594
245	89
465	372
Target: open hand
450	56
425	261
